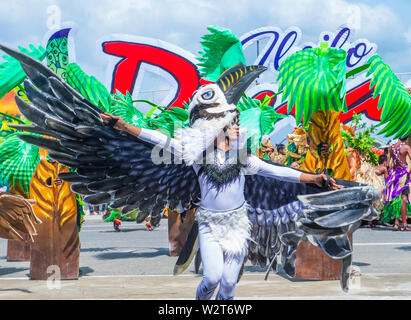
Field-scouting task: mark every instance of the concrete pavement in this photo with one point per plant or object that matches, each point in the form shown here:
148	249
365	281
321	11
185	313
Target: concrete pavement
251	286
134	264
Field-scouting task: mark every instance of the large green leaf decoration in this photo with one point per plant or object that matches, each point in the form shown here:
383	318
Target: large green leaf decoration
394	99
18	161
314	79
222	50
259	118
11	72
122	105
169	120
88	86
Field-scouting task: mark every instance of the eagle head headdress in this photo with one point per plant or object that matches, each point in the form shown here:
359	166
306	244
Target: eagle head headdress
213	107
219	99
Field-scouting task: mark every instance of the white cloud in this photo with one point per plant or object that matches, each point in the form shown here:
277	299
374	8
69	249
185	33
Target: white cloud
407	35
183	22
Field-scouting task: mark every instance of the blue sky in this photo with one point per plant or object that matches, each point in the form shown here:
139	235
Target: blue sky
183	22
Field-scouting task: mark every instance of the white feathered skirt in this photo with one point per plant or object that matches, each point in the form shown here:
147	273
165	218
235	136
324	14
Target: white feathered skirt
231	229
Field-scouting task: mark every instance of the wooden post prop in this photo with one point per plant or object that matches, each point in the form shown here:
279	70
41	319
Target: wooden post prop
18	250
57	243
178	231
311	262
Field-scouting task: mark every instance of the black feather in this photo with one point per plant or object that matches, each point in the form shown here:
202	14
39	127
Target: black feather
45	143
141	216
34	129
62	127
95	199
72	177
80	188
32	113
106	185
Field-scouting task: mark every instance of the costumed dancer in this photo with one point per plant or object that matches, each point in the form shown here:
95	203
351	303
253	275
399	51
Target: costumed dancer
375	176
117	223
224	227
115	216
381	170
266	149
297	148
280	154
149	227
397	184
268	152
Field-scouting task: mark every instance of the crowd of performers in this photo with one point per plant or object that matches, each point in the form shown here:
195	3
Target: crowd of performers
391	176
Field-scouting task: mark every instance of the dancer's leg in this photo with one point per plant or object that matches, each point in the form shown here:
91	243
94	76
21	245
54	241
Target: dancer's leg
232	267
212	260
404	201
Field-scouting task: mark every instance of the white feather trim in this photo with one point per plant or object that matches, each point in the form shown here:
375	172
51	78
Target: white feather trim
231	229
201	135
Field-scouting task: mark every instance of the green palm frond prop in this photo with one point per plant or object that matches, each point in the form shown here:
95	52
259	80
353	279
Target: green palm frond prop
393	98
88	86
155	107
313	80
11	118
18	161
122	105
169	120
259	118
11	72
222	50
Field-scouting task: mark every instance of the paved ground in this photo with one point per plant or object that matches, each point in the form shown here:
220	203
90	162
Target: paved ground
134	264
166	287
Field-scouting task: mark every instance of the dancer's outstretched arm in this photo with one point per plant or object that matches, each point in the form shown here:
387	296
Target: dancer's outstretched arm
263	168
152	136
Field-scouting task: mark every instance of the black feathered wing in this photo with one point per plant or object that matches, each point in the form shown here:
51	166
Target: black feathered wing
110	166
284	213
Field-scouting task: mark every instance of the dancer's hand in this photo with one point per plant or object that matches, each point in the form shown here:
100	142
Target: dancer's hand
115	122
118	123
320	179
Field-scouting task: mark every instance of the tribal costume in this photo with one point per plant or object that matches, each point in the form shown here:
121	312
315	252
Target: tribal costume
366	174
398	179
397	184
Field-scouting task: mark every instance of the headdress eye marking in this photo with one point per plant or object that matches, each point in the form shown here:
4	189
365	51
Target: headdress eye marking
208	95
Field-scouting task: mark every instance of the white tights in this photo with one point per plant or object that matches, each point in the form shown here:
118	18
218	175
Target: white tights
218	268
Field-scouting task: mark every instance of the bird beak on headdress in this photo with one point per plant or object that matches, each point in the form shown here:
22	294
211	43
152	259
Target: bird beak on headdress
234	81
